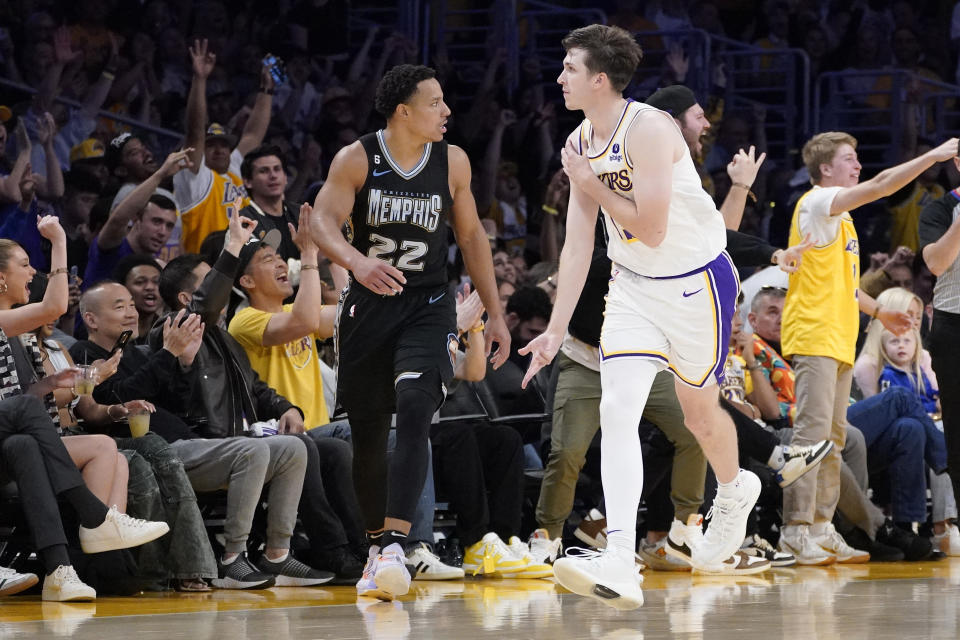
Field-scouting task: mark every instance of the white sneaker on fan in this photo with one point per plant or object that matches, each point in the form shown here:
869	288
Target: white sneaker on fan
120	531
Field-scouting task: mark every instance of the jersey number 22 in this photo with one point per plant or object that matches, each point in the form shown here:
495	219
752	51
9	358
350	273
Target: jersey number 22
411	252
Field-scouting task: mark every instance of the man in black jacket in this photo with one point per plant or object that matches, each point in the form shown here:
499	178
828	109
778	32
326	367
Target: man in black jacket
213	462
229	393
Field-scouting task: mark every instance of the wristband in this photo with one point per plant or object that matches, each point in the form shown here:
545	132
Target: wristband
476	329
56	272
551	210
108	412
305	267
746	188
876	312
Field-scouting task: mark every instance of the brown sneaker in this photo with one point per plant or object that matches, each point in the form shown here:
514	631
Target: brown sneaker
592	530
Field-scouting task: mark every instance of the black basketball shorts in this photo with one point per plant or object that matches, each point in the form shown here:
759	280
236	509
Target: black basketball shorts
381	340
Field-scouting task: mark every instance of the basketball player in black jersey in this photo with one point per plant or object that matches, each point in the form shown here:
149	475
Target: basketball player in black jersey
396	190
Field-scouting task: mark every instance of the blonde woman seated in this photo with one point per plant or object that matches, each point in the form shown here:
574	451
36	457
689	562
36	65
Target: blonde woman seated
101	528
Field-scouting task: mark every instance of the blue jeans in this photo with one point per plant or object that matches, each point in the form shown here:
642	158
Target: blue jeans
900	436
421	528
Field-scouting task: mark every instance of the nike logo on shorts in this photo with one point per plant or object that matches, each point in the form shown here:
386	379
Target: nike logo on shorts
693	293
435	298
377	174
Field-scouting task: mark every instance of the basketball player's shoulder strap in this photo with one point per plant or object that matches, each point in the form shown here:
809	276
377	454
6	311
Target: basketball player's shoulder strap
440	151
642	107
581	132
371	145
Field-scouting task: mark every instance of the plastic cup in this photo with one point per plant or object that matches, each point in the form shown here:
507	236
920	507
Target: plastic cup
139	421
86	380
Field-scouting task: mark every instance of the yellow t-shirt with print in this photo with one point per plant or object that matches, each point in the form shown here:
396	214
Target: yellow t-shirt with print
292	369
821	312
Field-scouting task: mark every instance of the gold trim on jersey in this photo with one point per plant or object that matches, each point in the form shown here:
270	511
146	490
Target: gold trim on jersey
613	136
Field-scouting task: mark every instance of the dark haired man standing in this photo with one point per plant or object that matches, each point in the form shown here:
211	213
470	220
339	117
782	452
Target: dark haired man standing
265	179
671	296
397	189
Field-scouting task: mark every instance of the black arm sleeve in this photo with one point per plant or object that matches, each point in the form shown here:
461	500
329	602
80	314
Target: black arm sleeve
213	294
748	251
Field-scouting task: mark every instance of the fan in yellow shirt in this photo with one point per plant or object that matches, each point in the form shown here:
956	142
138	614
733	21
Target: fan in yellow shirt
211	192
820	324
281	340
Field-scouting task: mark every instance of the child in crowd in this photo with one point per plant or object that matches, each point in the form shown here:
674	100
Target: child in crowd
870	363
905	363
901	368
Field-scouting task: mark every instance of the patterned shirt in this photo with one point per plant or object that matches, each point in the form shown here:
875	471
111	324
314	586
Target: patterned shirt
780	375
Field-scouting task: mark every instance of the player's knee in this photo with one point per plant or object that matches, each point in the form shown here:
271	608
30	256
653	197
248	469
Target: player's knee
413	386
703	421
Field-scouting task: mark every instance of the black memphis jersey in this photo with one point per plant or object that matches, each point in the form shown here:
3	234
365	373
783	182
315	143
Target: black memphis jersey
401	217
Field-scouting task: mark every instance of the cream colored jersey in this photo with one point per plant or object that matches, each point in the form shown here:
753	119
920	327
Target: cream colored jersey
696	233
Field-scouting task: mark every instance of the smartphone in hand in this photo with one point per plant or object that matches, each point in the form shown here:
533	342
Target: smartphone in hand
276	67
121	341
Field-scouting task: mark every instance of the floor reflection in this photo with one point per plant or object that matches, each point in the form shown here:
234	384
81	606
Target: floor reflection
853	603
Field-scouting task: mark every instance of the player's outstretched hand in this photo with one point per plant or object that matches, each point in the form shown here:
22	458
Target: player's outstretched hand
542	350
789	260
495	330
379	276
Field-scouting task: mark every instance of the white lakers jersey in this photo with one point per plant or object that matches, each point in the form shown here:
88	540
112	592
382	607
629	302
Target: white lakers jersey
695	229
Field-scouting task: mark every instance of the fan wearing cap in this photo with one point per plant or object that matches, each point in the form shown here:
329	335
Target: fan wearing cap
90	156
130	161
281	342
681	103
279	338
212	190
141	223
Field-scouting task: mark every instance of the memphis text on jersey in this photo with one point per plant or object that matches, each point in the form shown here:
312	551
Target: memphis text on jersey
390	207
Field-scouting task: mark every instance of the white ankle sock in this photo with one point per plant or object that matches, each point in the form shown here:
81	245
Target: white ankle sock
622	543
729	489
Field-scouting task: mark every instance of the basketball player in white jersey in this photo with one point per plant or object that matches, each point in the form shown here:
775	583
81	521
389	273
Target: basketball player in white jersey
672	294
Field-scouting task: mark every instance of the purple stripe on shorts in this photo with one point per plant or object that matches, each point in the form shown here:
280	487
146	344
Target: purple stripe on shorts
726	284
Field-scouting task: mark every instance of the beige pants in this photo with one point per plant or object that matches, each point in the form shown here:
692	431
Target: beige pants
823	395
